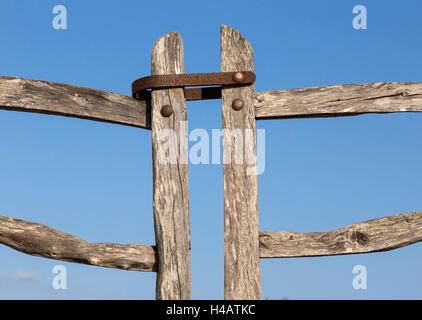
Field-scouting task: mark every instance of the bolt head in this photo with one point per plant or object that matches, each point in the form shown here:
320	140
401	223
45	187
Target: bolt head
166	111
237	104
238	77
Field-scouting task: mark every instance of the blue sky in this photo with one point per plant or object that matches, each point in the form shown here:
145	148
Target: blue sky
95	180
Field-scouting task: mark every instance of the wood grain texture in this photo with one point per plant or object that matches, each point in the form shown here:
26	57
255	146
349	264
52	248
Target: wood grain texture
42	241
65	100
242	277
380	234
171	197
339	100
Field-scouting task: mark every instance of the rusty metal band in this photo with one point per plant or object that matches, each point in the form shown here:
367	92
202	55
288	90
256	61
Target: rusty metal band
141	88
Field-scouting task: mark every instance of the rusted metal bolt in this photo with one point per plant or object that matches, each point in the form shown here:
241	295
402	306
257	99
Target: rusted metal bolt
237	104
166	111
238	77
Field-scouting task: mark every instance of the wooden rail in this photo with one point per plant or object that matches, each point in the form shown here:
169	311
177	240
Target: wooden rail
375	235
339	100
71	101
42	241
381	234
37	96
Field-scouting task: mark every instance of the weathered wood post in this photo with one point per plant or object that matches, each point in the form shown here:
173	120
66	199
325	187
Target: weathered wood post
170	174
242	275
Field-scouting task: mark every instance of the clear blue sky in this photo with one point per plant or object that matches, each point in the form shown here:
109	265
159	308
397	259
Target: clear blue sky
95	180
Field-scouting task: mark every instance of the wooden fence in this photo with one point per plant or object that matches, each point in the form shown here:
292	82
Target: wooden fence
244	244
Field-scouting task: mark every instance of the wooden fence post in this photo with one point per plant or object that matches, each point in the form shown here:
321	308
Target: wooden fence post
170	174
242	275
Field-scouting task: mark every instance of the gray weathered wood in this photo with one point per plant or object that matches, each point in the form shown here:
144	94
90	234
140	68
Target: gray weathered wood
65	100
380	234
339	100
42	241
170	171
242	277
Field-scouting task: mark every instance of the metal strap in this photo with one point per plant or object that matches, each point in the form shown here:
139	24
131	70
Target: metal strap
141	88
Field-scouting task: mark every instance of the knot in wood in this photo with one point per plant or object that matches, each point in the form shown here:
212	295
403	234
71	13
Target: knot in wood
360	237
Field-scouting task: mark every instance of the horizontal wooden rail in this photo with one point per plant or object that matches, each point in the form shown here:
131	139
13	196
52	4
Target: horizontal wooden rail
37	96
65	100
339	100
380	234
42	241
375	235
